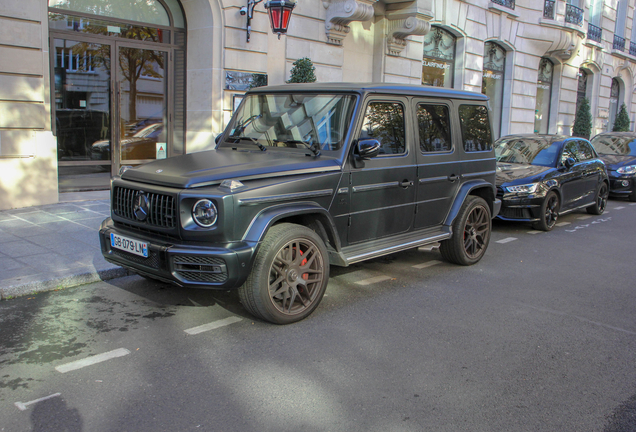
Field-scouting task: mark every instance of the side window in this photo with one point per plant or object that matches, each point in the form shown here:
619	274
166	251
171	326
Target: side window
569	151
434	127
475	128
585	151
384	121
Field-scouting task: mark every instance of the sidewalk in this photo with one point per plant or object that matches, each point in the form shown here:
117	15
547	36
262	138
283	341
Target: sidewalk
54	246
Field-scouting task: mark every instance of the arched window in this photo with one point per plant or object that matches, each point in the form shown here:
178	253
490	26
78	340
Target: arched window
581	92
438	63
544	95
493	80
614	103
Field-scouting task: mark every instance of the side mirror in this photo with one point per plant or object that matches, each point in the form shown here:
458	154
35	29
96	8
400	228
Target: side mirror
217	139
569	163
368	148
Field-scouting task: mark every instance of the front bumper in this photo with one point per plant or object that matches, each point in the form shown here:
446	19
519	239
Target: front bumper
621	186
185	264
520	208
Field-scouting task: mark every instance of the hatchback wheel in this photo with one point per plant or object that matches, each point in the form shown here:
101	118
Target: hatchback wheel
601	200
549	212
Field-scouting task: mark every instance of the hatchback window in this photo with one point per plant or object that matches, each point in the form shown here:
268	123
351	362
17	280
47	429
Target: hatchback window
614	145
585	151
384	121
570	151
475	128
434	127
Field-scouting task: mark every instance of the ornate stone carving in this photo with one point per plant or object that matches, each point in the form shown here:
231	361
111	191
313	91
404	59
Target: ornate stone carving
400	29
340	13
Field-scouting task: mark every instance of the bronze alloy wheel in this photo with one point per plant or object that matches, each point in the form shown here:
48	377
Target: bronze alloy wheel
289	275
295	276
474	222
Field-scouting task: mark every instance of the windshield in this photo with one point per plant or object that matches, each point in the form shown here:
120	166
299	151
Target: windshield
317	122
527	151
613	145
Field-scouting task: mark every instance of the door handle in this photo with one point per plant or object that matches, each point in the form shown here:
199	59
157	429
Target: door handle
452	178
406	183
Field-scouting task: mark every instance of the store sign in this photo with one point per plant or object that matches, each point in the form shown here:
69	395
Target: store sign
493	75
436	65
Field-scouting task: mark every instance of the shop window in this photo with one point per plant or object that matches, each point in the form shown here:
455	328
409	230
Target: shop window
614	103
544	95
438	63
493	80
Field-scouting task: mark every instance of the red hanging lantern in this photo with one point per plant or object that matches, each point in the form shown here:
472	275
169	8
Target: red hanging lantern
280	12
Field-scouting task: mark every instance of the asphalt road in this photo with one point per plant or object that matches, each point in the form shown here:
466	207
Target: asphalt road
538	336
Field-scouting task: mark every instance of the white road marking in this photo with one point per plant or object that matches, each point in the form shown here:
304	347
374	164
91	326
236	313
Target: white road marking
23	405
506	240
427	264
584	217
535	232
633	204
619	208
89	361
563	223
213	325
373	280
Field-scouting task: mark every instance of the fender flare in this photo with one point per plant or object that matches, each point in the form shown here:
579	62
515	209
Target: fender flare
267	217
464	191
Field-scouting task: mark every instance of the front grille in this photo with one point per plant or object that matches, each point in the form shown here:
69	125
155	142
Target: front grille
162	210
200	268
153	260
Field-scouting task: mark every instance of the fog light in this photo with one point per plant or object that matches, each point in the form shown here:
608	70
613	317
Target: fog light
624	183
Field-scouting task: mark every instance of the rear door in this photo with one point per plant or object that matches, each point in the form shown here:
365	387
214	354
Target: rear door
477	155
383	191
437	162
573	186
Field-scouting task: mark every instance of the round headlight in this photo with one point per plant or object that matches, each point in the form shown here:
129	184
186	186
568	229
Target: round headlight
204	213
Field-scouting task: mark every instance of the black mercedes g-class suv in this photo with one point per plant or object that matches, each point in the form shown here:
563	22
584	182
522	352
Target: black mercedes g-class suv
306	176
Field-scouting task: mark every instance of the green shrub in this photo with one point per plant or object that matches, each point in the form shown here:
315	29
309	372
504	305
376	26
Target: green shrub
582	127
303	71
621	124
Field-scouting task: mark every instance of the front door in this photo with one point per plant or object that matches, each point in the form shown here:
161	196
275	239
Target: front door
142	104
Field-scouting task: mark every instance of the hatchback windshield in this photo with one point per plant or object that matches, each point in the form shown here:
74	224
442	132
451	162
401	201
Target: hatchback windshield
317	122
527	151
613	145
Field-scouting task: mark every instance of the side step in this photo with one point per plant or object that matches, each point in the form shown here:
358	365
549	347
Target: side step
376	248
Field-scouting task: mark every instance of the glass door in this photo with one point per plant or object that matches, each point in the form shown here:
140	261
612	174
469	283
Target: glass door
82	98
142	104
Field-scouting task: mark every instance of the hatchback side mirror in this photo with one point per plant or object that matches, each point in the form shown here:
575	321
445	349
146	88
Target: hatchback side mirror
569	163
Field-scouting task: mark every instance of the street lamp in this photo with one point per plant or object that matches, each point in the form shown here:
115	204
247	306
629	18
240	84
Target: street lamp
279	12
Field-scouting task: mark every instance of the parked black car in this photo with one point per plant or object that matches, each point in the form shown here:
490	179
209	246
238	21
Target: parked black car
540	177
618	151
305	176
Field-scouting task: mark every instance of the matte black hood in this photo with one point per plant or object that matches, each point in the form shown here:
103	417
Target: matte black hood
213	166
513	172
614	162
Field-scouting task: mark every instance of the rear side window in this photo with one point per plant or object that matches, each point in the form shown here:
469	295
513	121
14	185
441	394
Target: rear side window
475	128
384	121
585	151
434	128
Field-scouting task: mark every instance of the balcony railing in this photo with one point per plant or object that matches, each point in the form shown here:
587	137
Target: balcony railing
507	3
632	48
573	15
619	43
548	9
594	33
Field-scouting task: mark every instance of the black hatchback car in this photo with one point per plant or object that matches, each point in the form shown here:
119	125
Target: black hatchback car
618	151
540	177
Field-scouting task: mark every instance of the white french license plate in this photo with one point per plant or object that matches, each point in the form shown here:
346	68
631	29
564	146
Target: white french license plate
129	245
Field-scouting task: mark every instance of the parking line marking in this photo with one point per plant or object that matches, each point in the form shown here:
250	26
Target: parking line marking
427	264
373	280
22	406
89	361
584	217
563	223
535	232
619	208
213	325
633	204
506	240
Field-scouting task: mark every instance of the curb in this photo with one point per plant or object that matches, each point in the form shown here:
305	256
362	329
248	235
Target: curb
63	282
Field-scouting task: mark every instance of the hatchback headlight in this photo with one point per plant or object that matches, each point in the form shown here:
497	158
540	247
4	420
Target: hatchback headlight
629	169
527	188
204	213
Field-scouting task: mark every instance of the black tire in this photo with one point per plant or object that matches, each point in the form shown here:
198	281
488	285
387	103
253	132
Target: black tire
471	233
600	201
632	196
284	286
549	212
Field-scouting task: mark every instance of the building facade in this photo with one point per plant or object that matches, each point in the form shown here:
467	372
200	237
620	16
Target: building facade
89	85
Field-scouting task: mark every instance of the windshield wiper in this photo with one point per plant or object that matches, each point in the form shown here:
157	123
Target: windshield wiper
315	149
251	140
